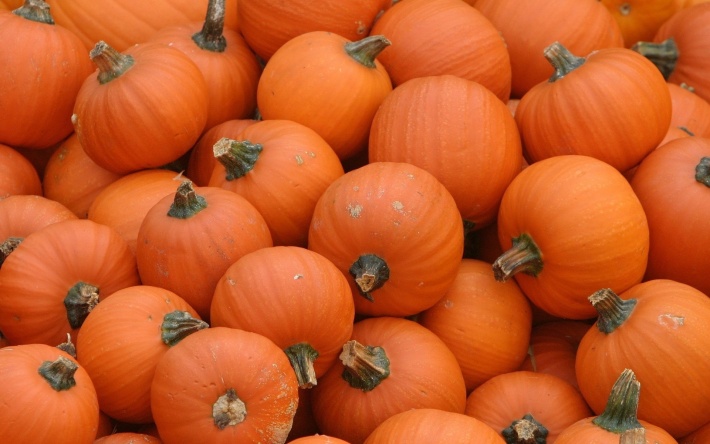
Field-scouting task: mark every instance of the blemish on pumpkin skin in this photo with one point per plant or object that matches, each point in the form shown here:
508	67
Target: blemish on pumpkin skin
398	206
354	210
671	320
299	159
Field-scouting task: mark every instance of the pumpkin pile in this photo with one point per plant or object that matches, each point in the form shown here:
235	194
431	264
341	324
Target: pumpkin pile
420	221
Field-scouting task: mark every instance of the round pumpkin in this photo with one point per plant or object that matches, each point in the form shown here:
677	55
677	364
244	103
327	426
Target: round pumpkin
17	174
639	20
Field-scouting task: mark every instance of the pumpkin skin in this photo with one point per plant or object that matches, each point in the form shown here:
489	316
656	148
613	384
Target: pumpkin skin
423	373
17	174
506	398
467	126
699	436
585	222
465	44
415	427
121	342
128	22
293	296
204	226
150	83
36	410
639	20
671	316
293	168
317	439
667	187
372	216
690	111
582	26
583	108
209	363
128	438
313	81
65	255
485	323
44	68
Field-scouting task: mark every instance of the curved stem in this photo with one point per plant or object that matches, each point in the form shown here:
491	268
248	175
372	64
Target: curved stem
8	246
79	301
211	37
613	311
68	347
35	10
702	171
664	54
111	63
59	374
525	431
237	157
302	356
365	366
523	257
177	325
366	50
620	413
187	203
370	272
562	60
228	410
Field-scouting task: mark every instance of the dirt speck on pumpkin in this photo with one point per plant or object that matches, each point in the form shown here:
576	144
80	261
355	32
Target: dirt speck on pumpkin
355	210
671	320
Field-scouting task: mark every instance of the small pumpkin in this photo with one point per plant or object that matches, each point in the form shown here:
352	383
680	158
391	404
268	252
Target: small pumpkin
128	438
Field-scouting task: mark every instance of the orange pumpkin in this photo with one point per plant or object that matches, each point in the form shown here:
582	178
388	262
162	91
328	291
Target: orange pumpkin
395	230
317	439
700	436
639	20
128	438
570	225
690	111
17	174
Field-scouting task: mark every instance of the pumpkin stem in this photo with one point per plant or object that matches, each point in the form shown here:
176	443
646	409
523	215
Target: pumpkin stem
562	60
210	38
8	246
237	157
613	311
620	412
111	63
365	366
60	373
302	356
366	50
370	272
187	203
177	325
664	54
68	347
633	436
523	257
702	171
80	300
35	10
228	410
525	431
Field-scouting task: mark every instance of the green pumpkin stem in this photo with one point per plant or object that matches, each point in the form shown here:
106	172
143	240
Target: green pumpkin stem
562	60
211	37
664	54
187	203
68	347
370	273
228	410
525	431
177	325
60	373
620	413
366	50
8	246
613	311
302	356
365	366
702	171
79	301
237	156
111	63
523	257
35	10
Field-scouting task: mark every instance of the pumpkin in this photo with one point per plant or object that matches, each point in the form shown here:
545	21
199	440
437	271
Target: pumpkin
700	436
282	168
17	174
570	225
619	417
202	390
671	183
581	25
467	127
485	324
73	179
153	93
583	108
423	426
690	111
390	365
317	439
395	231
639	20
207	227
128	438
679	48
128	22
230	68
327	83
671	317
444	37
57	275
293	296
44	68
123	204
527	407
122	340
47	397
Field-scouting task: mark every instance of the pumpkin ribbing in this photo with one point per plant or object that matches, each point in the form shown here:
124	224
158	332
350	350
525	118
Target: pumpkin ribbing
177	325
